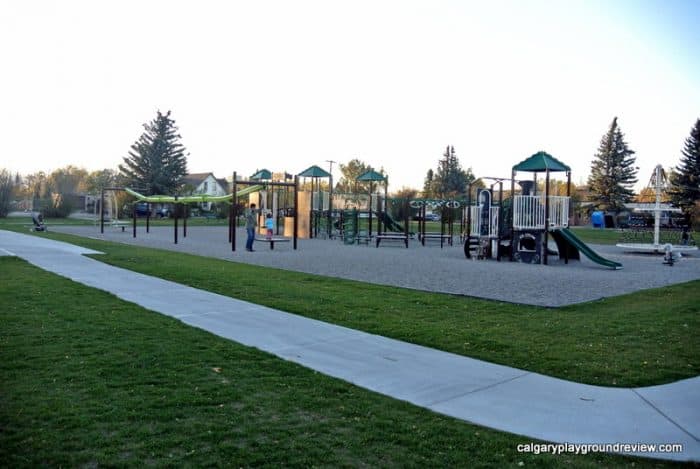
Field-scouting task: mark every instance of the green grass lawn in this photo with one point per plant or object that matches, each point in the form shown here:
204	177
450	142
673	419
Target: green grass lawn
614	236
639	339
26	222
89	380
597	235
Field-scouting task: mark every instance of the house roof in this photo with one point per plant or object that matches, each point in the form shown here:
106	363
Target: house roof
315	172
541	162
195	179
223	183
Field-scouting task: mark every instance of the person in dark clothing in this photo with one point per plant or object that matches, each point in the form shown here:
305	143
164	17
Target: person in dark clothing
251	222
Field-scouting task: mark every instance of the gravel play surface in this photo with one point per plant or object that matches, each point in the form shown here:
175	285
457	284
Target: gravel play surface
428	268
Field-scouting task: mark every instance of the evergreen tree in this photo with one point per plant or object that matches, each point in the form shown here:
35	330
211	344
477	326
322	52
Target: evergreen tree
157	162
612	171
429	185
685	180
450	180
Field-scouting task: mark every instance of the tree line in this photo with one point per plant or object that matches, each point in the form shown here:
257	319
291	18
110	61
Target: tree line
156	163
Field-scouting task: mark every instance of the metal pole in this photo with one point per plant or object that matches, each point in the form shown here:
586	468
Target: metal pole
512	214
175	219
184	220
442	225
568	194
296	210
330	204
102	211
330	198
148	217
133	210
500	220
407	219
421	224
234	213
546	217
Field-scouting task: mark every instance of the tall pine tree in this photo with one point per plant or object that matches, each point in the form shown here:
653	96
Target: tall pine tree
685	180
450	180
157	161
613	172
429	184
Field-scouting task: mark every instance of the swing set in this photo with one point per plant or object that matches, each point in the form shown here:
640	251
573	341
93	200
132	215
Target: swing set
181	207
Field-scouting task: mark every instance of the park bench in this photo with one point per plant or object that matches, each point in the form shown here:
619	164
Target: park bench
392	237
120	224
272	241
436	236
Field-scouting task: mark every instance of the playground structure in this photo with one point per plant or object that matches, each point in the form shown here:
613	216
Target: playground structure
535	215
522	225
316	206
181	203
658	182
518	224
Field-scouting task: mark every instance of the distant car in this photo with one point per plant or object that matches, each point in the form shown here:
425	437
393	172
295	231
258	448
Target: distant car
163	212
428	217
142	209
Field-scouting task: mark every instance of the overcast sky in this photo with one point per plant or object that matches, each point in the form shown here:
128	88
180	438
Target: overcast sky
284	85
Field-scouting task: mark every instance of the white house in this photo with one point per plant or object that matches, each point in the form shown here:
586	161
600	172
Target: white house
206	183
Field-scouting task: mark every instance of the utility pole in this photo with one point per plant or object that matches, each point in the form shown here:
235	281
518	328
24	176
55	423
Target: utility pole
330	170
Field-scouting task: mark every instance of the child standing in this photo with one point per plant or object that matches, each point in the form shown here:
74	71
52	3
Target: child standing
270	225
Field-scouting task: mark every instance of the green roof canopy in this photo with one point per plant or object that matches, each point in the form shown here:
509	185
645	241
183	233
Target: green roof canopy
314	172
263	174
370	175
541	162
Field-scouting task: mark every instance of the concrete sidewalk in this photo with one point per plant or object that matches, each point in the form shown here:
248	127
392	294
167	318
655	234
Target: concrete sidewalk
495	396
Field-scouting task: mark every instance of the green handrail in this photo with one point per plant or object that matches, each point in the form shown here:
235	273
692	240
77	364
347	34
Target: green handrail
192	198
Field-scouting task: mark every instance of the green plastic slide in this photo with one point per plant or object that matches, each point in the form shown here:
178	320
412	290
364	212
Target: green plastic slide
191	198
390	223
572	239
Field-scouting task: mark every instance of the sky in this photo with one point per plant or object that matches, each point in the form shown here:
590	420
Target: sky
284	85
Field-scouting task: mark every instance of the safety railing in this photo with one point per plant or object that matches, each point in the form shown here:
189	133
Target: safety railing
529	212
477	223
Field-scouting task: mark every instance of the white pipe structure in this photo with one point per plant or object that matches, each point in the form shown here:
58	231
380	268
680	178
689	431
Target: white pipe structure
657	208
658	181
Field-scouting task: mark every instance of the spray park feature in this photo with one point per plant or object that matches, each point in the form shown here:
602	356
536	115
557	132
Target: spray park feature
671	251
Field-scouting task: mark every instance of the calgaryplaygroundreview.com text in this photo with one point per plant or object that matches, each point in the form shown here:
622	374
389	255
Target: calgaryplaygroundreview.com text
585	448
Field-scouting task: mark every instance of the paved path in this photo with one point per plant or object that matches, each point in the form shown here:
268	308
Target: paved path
495	396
